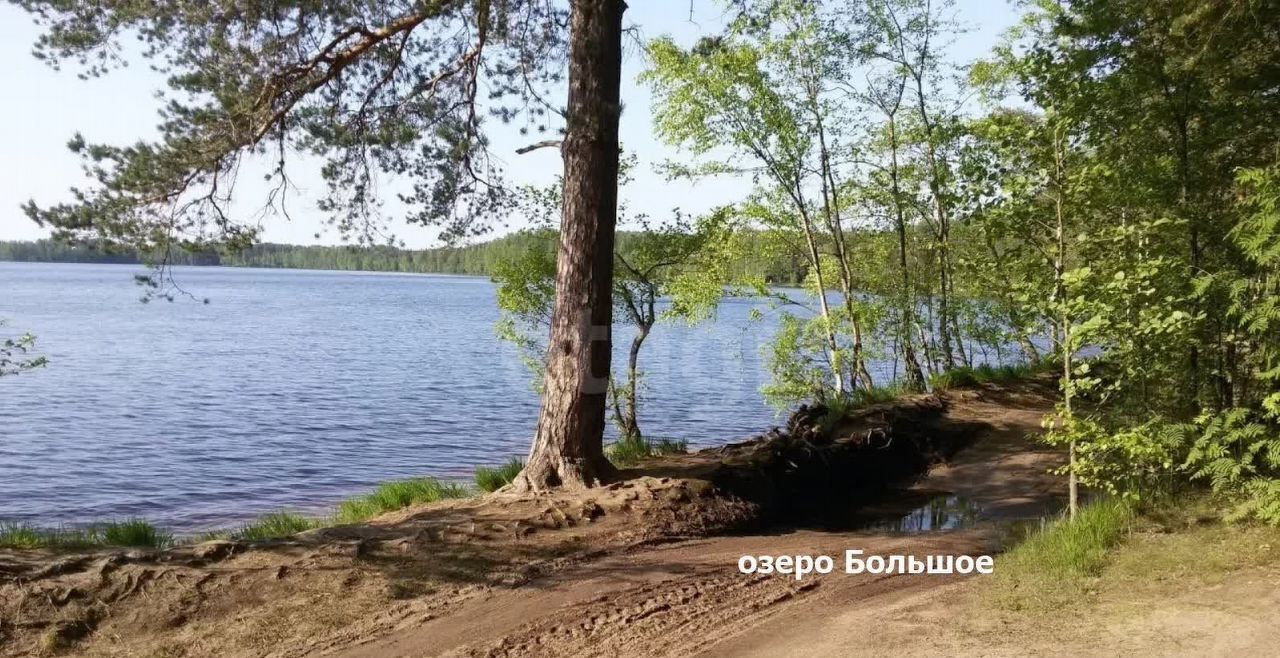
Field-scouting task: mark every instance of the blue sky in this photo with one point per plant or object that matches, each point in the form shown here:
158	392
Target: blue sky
40	109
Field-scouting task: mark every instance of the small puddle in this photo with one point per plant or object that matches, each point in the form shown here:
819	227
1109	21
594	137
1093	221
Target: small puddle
907	512
938	514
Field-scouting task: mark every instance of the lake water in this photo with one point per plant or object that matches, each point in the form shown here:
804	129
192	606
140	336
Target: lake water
294	389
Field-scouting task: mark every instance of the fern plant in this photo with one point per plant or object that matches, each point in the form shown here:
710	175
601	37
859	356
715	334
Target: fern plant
1238	450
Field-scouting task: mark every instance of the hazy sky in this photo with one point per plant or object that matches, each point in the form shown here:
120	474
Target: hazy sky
40	109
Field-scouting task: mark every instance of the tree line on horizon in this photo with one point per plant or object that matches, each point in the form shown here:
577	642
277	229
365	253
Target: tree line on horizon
480	259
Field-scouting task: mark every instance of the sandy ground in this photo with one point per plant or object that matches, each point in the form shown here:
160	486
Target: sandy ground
688	598
647	567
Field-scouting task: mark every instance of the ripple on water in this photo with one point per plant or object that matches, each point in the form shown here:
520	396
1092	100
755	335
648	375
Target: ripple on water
294	389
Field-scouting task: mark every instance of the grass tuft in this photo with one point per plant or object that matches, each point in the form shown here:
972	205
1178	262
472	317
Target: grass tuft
21	535
132	533
399	494
1054	565
627	451
631	450
275	526
879	394
668	447
492	478
965	376
838	408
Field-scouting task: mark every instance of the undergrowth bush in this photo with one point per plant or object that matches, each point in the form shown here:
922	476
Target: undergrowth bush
1134	462
1238	453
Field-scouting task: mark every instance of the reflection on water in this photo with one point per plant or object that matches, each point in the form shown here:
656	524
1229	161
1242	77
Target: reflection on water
940	513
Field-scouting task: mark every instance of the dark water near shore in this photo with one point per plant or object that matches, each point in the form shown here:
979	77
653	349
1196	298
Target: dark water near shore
294	389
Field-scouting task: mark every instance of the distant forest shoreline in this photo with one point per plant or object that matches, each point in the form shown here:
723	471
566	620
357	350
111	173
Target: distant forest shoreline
474	260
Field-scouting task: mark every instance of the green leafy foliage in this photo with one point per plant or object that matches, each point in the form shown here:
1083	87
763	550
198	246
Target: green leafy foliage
769	102
1116	197
1238	453
362	88
1130	462
796	360
669	272
1238	448
14	354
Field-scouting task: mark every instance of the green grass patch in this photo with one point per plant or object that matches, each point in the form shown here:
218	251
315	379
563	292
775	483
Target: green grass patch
492	478
130	533
631	450
1123	561
1055	565
21	535
387	497
627	451
838	408
1155	562
963	376
275	526
661	447
877	395
399	494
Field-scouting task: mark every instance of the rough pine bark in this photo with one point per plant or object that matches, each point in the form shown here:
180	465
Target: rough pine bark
568	449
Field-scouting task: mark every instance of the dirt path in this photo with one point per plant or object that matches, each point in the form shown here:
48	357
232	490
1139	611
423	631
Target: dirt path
688	598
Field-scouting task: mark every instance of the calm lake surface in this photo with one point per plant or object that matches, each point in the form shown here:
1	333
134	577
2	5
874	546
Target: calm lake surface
294	389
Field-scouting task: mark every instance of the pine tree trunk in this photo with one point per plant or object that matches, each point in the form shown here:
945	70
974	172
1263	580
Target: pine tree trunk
568	449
